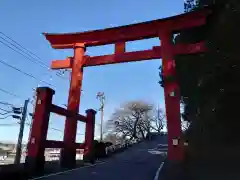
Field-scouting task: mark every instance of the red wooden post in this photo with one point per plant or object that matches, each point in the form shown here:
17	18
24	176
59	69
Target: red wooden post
89	134
68	154
36	145
172	99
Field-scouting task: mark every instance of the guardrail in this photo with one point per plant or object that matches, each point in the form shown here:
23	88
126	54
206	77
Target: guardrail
113	149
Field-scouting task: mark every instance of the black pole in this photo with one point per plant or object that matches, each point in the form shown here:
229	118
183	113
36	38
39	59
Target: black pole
20	136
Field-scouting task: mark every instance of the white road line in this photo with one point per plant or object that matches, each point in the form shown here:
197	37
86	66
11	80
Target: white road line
162	144
54	174
158	171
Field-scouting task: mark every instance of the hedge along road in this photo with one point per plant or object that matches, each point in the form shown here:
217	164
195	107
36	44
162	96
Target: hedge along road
139	162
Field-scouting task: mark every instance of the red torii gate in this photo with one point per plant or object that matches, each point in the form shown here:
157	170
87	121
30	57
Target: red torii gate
164	29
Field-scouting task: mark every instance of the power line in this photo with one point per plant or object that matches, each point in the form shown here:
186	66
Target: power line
22	53
78	134
7	104
31	53
12	124
61	74
27	74
25	52
5	110
55	129
10	93
52	128
6	116
29	124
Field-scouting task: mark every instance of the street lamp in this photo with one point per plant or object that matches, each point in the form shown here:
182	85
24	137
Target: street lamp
101	97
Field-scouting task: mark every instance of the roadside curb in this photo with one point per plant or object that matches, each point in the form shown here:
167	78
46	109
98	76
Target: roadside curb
160	168
158	171
67	171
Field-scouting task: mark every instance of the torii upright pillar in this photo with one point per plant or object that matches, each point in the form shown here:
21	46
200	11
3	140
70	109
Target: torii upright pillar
68	153
172	98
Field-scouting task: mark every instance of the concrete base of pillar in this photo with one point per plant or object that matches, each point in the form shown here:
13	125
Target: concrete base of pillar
68	158
35	164
88	157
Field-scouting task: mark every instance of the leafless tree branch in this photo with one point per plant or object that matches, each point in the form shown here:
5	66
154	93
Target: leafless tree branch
136	119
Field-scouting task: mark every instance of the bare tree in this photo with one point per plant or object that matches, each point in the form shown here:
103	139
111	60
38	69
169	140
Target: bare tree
185	125
157	120
111	137
135	119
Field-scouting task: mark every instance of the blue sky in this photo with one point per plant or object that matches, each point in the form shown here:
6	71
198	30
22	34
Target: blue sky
24	21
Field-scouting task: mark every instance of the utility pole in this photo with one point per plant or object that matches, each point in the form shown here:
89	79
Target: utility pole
20	136
101	97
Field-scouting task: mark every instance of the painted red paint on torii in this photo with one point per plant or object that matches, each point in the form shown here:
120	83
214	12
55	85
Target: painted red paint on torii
164	30
132	32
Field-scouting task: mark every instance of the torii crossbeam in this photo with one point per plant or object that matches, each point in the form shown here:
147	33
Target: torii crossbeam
164	30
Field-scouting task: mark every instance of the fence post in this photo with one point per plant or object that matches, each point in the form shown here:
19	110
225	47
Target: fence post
89	134
36	145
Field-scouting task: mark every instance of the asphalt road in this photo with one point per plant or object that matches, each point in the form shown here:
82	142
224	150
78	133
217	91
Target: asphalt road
137	163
